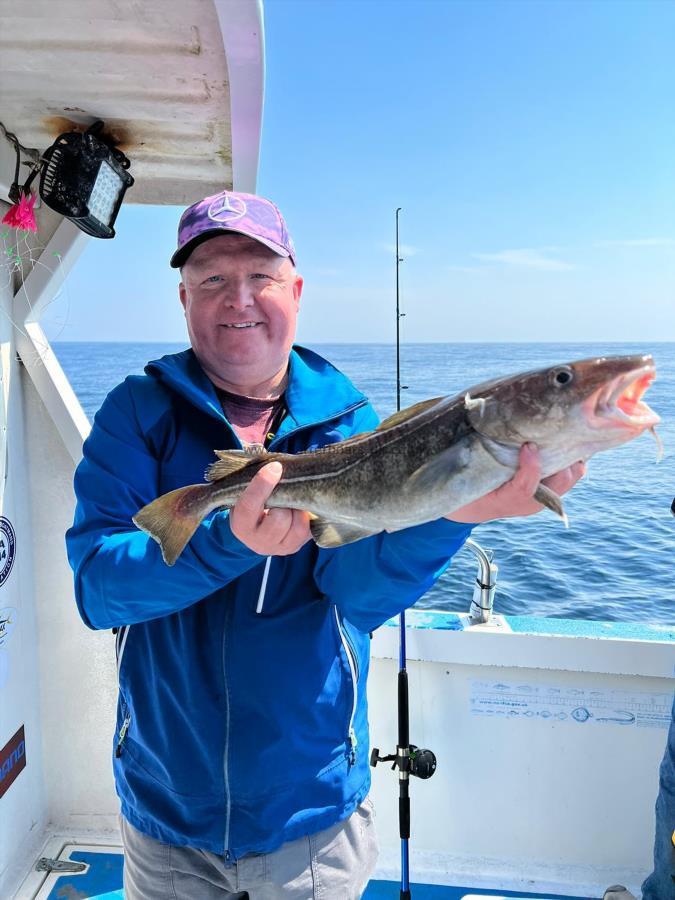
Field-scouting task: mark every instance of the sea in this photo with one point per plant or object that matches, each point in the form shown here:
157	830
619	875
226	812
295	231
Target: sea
614	562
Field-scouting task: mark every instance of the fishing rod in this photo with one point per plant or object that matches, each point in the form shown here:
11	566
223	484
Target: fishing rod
408	759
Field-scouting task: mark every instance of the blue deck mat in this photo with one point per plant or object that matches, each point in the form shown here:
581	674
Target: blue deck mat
103	881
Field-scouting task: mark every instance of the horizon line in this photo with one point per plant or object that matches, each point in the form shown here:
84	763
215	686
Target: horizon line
186	344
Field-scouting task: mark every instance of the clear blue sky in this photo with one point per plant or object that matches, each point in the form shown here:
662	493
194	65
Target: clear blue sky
531	146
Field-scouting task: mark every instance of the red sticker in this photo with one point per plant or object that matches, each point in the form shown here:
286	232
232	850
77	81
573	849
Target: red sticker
12	760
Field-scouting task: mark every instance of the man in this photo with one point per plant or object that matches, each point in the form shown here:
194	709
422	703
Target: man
241	750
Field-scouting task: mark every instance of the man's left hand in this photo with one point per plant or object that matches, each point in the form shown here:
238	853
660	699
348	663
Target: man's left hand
516	497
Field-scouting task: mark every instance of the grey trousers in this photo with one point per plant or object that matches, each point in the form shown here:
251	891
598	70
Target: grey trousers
335	863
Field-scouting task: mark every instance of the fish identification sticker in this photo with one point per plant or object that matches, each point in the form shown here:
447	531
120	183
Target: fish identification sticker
12	760
7	548
579	706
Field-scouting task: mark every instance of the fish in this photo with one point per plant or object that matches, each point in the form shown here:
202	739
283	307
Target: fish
431	458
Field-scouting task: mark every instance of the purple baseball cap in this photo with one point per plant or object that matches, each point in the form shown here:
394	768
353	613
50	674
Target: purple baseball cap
231	211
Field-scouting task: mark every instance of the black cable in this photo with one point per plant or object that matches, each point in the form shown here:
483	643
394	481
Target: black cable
12	138
16	190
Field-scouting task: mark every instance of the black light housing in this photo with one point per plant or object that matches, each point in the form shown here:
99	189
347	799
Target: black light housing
84	179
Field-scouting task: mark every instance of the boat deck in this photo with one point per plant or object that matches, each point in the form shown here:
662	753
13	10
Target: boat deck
102	880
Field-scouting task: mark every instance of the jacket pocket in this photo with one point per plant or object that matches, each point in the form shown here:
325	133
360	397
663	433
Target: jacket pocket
123	728
120	646
353	665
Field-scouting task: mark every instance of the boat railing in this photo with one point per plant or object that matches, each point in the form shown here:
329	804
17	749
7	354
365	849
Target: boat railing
482	602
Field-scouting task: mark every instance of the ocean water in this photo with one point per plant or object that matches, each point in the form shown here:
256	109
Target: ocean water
614	563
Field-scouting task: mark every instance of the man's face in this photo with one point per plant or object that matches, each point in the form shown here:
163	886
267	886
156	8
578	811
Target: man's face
241	302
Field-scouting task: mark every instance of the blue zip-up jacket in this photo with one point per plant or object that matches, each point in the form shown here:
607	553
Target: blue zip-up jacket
242	719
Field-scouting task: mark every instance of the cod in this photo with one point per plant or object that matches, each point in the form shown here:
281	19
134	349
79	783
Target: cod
431	458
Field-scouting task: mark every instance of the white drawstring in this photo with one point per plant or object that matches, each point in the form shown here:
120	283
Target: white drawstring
261	595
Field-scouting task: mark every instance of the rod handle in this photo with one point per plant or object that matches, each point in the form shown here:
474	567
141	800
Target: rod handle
404	817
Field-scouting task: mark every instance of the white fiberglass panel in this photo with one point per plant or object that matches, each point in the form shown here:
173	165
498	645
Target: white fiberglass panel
23	799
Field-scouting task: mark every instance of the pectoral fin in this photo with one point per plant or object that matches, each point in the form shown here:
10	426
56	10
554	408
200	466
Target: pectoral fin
335	534
552	501
439	469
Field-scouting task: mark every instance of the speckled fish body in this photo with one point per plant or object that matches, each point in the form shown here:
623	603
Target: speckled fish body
431	458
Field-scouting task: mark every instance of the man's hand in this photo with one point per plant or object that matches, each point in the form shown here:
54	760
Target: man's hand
515	498
270	532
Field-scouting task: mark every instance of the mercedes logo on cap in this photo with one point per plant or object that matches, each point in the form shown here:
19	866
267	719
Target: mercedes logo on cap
226	209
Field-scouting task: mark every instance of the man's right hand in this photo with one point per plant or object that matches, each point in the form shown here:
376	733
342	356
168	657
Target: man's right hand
270	532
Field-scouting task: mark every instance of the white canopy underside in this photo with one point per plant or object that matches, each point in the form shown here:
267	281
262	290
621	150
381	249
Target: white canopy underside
179	85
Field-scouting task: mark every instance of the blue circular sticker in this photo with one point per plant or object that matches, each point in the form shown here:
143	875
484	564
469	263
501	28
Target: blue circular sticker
7	549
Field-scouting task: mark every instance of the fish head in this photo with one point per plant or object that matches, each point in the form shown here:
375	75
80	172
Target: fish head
571	411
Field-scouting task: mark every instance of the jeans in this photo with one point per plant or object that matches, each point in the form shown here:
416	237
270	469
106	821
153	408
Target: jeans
661	883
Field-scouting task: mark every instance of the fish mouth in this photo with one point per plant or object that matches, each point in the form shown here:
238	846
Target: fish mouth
619	402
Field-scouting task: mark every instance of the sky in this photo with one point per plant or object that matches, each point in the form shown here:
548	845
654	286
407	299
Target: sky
530	146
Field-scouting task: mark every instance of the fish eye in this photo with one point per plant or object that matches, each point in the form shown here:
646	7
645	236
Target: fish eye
562	376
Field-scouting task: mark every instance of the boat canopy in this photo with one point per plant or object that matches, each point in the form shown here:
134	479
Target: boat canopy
179	86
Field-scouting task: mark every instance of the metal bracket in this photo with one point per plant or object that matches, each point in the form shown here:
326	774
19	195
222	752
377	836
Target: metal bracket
59	865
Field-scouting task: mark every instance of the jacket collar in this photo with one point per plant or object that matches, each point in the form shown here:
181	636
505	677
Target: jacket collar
317	392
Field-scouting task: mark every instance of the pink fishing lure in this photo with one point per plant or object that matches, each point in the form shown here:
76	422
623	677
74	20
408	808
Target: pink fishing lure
21	215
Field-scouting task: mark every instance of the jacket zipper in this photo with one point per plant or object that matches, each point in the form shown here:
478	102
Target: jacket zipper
226	748
226	753
261	599
120	646
122	735
354	672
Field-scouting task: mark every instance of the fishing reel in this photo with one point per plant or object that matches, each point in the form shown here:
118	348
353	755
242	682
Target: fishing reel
409	760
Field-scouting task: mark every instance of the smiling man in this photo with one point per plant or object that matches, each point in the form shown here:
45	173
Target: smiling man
241	302
241	748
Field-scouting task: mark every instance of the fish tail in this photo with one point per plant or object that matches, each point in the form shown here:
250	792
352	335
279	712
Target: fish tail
173	518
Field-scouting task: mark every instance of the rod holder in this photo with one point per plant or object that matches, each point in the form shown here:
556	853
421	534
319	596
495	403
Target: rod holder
482	602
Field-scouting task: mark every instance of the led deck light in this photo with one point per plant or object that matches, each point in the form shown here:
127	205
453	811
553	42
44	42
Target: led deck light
85	180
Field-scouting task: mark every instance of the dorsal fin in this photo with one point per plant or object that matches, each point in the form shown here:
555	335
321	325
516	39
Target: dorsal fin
252	449
407	413
230	461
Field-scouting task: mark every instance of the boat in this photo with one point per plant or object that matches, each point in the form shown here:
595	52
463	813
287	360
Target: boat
548	733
